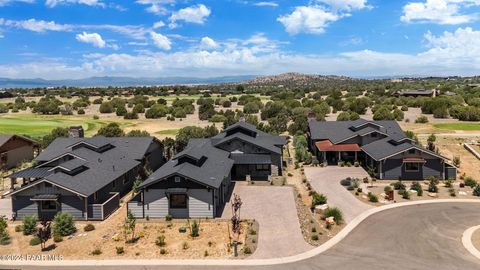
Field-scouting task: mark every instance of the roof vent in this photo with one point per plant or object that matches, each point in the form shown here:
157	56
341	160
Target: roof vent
99	160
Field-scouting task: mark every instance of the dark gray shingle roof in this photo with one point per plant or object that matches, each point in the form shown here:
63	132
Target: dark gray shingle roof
211	172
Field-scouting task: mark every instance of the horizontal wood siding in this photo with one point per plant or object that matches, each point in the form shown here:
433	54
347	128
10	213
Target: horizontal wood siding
95	212
200	204
136	208
110	206
156	203
22	206
73	205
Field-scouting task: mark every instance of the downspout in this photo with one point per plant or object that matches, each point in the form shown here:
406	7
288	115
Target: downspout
86	207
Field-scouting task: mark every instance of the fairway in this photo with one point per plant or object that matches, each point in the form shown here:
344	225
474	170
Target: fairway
39	125
458	126
168	132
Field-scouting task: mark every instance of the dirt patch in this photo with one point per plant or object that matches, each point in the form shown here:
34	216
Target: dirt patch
214	240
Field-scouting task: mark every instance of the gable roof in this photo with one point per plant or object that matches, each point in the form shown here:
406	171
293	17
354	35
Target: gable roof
387	147
5	138
211	172
98	168
338	131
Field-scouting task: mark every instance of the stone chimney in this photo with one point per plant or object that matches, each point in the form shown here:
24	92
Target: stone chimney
75	132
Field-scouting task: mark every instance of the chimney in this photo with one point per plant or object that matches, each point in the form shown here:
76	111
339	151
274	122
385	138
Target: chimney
75	132
242	119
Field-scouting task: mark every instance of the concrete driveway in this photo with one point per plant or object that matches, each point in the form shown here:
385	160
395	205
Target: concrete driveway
327	181
6	207
274	209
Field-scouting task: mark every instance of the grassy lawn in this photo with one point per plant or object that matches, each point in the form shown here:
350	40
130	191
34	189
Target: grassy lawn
39	125
458	126
167	132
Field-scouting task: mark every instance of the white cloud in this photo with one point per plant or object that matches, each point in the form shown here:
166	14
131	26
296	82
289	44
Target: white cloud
156	6
39	26
161	41
266	4
208	43
53	3
194	14
345	4
158	24
91	38
446	54
312	19
7	2
439	11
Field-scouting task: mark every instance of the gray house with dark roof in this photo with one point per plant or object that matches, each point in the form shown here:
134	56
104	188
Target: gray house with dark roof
83	176
196	182
380	145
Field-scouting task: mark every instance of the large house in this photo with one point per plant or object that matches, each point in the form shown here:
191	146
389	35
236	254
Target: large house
378	145
16	149
83	176
196	182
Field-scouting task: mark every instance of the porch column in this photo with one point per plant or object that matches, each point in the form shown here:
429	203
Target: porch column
12	183
356	155
324	156
339	155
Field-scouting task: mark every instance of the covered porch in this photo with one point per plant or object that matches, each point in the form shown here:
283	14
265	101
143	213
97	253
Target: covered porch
257	166
48	205
331	154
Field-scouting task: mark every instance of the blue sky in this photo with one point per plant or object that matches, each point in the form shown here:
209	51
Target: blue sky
60	39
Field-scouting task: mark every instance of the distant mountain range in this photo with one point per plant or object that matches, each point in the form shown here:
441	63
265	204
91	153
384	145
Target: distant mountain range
119	81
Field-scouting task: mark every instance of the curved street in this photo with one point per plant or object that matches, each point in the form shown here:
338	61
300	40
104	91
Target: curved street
424	236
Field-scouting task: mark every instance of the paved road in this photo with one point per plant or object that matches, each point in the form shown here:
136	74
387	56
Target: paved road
327	181
414	237
274	209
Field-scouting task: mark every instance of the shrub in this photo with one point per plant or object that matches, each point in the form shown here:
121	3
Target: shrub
476	191
387	188
247	250
120	250
314	237
448	183
356	164
160	241
96	252
194	229
405	194
35	241
359	190
416	186
346	182
432	186
456	161
205	254
469	181
452	193
334	212
341	163
168	217
57	238
420	192
63	224
318	199
372	197
19	228
4	236
89	227
30	225
81	111
421	120
314	230
252	232
185	246
399	185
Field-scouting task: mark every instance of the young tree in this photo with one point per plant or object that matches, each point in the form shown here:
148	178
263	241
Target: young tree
129	226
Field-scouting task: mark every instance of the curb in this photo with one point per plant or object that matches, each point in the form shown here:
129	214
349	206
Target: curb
467	241
254	262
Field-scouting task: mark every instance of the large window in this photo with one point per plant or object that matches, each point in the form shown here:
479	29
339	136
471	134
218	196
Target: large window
178	201
49	205
412	167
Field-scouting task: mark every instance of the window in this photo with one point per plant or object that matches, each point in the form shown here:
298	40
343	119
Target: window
178	201
49	206
262	167
177	179
412	167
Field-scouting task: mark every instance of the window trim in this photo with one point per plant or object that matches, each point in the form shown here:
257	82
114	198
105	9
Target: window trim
177	179
178	207
262	167
418	168
48	210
